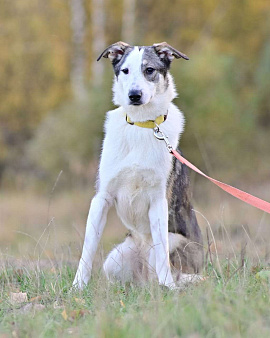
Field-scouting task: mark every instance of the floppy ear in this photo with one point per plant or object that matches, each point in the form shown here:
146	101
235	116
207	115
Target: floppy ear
167	52
115	51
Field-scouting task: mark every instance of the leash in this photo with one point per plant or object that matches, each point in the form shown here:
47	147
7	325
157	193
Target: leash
242	195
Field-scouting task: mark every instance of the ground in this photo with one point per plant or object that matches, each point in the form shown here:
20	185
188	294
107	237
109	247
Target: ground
234	304
41	238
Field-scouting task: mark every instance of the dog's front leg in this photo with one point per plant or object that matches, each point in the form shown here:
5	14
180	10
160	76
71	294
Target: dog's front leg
158	216
95	224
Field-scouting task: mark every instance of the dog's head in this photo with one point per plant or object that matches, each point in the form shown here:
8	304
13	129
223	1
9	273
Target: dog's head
141	72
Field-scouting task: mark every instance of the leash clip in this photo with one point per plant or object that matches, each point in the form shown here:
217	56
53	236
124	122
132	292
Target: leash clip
161	136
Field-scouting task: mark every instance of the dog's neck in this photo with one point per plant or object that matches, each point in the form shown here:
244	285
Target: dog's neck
146	112
150	124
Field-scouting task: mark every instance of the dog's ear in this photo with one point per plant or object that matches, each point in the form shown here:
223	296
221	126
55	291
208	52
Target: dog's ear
167	52
115	51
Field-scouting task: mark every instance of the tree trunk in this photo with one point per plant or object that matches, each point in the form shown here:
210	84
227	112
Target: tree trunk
128	21
98	32
78	18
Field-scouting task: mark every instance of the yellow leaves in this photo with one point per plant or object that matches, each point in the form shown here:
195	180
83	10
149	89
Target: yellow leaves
73	315
35	299
64	315
79	301
122	303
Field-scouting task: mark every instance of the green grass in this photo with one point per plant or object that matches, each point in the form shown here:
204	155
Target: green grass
40	248
236	305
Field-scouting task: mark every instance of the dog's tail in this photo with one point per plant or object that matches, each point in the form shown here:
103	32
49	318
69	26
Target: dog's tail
186	256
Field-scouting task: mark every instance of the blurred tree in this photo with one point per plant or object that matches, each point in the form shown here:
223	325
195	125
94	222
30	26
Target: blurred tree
113	18
78	64
128	21
262	81
48	52
98	41
35	61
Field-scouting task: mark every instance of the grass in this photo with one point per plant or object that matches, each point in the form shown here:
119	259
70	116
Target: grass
238	306
40	249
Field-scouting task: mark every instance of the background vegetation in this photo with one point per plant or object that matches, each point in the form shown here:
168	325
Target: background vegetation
51	111
53	99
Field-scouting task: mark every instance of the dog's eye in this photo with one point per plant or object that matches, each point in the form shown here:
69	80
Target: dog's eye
125	70
149	70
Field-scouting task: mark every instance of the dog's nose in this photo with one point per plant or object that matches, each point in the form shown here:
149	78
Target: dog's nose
135	95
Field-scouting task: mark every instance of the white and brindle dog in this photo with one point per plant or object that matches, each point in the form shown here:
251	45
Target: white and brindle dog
138	175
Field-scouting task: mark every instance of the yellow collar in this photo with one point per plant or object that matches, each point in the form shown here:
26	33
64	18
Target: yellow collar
148	124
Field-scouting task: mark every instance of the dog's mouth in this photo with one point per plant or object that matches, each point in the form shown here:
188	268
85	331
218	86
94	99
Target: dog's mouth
135	103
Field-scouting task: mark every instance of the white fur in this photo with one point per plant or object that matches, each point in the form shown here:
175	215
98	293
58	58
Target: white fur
134	261
133	172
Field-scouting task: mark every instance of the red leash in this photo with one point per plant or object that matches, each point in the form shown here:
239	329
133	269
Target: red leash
250	199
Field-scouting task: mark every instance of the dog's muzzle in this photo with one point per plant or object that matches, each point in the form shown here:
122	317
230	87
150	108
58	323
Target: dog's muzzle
135	97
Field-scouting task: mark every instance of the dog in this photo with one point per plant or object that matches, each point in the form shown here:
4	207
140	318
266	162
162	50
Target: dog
150	190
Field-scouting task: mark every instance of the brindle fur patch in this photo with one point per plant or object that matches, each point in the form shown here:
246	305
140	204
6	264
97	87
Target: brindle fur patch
117	64
182	220
155	62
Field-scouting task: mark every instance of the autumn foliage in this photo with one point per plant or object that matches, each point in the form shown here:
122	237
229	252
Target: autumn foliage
46	127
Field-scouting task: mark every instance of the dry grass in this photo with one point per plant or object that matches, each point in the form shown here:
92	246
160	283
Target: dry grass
41	242
37	226
40	226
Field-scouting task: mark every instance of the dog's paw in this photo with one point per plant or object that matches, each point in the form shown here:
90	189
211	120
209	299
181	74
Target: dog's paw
78	283
187	279
81	278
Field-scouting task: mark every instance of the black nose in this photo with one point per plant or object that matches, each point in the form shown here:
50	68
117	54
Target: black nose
135	96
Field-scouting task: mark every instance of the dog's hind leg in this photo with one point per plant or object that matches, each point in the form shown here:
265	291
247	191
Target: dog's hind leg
127	262
95	224
185	259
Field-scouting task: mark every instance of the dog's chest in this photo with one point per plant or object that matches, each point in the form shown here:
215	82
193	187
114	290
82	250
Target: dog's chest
134	169
137	175
134	188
